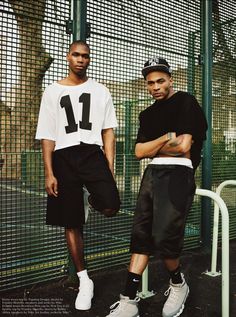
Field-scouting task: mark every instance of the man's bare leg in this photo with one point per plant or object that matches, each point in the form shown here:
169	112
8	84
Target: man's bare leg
174	269
75	245
171	264
138	263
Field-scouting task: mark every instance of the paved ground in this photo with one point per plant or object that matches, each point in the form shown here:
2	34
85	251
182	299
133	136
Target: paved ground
204	299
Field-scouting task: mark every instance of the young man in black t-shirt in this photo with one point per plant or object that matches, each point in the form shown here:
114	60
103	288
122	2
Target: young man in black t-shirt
171	132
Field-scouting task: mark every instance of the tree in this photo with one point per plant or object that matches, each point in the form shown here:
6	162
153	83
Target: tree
20	110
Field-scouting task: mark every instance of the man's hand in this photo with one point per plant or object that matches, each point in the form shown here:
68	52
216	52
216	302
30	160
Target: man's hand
175	141
177	146
51	186
170	135
150	149
108	137
50	181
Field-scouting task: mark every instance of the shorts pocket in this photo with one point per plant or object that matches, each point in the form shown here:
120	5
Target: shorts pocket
181	186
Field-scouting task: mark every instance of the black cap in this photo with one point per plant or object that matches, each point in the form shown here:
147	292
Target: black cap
156	64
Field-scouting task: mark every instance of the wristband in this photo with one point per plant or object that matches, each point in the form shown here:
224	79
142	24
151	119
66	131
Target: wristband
169	136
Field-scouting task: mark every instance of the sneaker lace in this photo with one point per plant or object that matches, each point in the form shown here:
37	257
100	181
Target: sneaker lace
117	306
173	295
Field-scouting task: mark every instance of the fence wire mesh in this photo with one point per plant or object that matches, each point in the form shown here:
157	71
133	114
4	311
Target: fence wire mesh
224	103
33	48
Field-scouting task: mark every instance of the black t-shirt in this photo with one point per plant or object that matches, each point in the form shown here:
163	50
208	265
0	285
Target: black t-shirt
180	113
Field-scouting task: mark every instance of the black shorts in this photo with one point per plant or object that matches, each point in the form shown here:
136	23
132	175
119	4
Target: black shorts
165	198
74	167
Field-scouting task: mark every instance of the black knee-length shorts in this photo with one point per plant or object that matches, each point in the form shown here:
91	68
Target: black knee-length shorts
74	167
165	198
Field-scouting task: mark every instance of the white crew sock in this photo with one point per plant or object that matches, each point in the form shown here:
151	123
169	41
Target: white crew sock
83	276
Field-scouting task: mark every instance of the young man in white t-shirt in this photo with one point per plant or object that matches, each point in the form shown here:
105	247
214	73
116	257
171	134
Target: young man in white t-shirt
75	126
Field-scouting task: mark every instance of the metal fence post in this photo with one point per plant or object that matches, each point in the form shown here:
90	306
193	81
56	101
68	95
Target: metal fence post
79	14
145	293
127	167
206	20
191	63
79	8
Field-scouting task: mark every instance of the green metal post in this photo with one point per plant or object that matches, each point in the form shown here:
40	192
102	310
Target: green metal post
191	64
79	19
206	19
79	10
127	194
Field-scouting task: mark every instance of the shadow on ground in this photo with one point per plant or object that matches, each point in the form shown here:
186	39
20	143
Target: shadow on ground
204	299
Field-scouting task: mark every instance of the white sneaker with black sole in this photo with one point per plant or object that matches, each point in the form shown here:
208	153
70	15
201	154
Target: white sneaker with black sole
177	295
125	307
84	298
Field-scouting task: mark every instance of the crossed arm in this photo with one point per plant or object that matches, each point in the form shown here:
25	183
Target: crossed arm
167	145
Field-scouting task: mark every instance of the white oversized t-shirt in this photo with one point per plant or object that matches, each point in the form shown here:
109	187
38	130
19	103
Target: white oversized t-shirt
72	114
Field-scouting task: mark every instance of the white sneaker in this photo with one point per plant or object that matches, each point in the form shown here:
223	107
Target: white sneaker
178	294
125	307
85	295
86	204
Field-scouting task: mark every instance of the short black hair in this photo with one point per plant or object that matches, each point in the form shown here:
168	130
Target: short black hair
79	42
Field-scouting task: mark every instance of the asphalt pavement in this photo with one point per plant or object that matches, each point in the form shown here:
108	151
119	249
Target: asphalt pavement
57	298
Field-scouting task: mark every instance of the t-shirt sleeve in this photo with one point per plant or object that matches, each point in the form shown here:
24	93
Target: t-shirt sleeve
141	138
110	120
46	128
192	120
